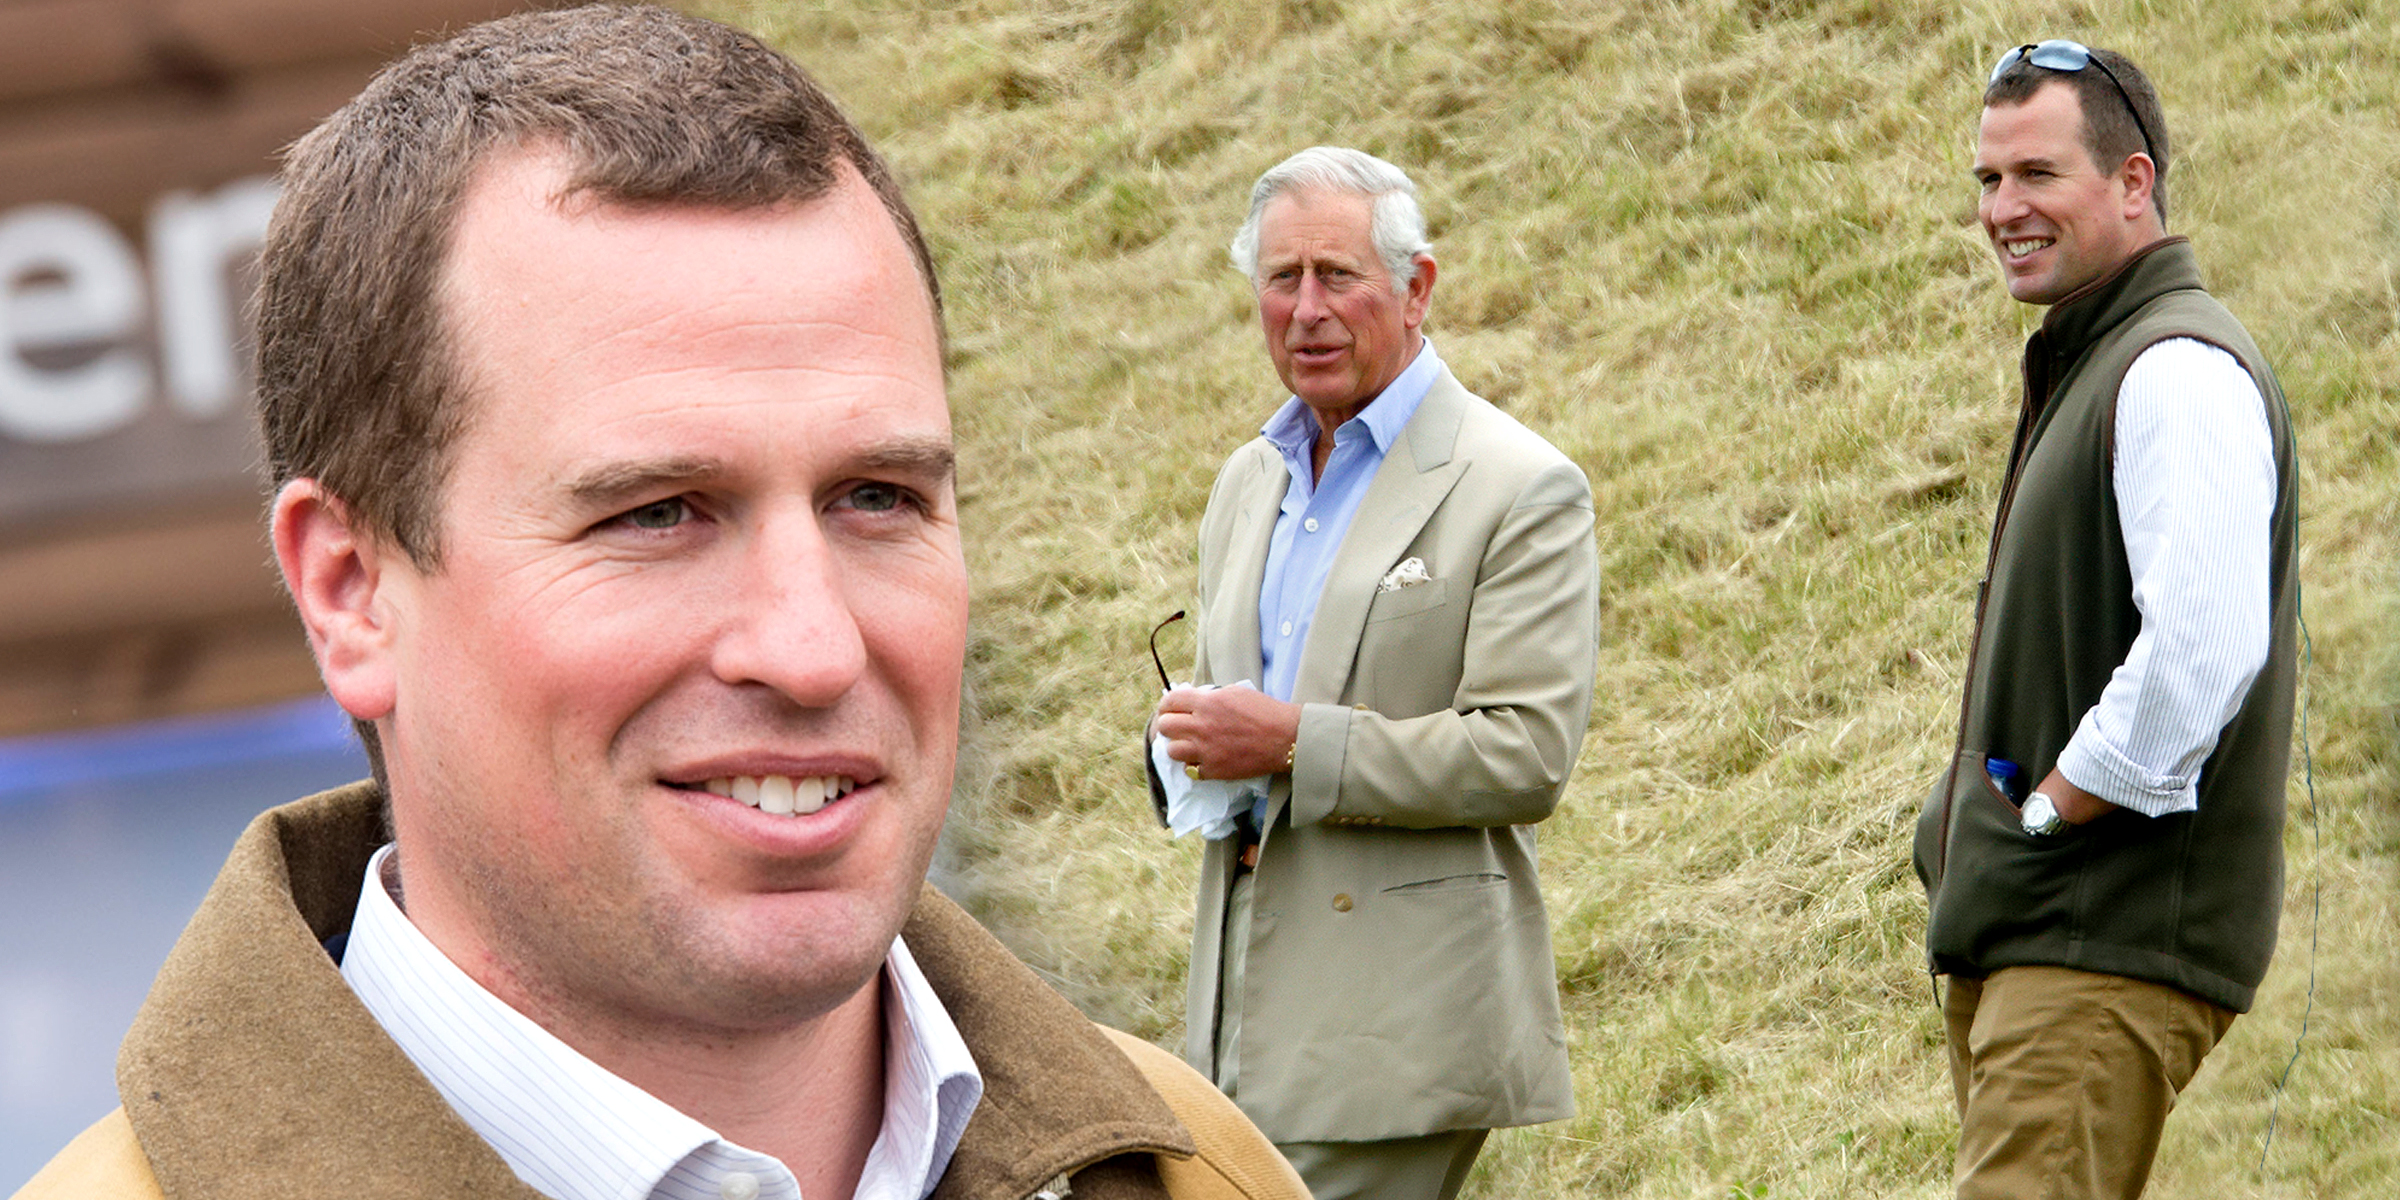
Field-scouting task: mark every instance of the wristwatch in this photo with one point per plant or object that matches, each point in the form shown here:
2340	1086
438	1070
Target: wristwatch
2040	817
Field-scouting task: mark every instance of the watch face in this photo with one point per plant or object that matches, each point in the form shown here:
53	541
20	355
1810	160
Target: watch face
2041	817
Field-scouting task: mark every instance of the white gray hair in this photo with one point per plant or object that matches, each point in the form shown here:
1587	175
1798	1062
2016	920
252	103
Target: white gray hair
1398	225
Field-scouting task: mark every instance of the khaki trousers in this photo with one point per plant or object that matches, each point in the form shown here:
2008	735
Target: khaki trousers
2064	1079
1419	1168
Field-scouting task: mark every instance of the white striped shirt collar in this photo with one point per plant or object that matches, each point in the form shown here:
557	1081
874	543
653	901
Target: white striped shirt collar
573	1131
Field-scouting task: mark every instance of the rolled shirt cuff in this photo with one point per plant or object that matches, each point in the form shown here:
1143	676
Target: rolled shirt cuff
2090	763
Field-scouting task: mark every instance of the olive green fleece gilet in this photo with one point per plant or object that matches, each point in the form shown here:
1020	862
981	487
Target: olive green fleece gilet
2192	899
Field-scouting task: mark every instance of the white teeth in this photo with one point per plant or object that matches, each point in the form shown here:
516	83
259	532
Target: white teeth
783	795
775	795
2019	249
808	795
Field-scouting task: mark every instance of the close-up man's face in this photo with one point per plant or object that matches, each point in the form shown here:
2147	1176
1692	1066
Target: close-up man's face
699	547
1335	329
2056	219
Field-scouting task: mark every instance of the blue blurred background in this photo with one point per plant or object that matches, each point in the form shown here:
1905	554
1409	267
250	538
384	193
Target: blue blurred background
108	839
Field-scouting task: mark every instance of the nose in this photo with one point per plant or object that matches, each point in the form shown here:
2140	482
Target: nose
2004	203
793	628
1308	305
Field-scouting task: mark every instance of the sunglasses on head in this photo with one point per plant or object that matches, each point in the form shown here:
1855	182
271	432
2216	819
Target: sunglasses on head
2059	54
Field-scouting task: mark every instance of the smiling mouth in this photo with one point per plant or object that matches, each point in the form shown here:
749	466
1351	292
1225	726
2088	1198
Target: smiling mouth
2020	247
782	795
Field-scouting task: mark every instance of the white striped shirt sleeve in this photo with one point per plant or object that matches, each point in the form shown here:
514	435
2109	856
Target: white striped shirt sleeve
2195	484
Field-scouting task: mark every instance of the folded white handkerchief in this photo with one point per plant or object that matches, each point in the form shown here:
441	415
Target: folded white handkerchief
1409	573
1206	805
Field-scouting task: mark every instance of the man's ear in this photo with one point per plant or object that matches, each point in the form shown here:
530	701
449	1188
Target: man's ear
338	574
2138	176
1420	292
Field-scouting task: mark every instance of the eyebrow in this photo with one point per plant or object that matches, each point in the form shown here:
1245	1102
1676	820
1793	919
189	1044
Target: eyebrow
1322	262
2042	161
926	458
617	482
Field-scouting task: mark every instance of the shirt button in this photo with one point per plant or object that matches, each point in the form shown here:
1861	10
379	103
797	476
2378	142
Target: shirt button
739	1185
1287	629
1309	524
1341	903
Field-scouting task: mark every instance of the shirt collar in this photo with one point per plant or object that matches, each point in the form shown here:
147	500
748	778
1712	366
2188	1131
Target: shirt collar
931	1082
571	1129
1293	429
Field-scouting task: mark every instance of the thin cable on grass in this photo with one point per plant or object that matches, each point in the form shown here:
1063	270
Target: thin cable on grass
2308	773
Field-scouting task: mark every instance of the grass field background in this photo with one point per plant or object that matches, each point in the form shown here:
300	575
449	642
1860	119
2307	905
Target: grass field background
1724	254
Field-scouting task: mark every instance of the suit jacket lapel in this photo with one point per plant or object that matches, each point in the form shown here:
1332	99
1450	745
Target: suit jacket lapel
1233	650
1408	487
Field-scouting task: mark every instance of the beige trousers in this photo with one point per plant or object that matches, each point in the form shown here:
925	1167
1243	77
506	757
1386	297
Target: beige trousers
1419	1168
2064	1079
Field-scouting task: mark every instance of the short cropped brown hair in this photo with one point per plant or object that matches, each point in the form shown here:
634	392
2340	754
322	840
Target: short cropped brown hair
2109	131
356	388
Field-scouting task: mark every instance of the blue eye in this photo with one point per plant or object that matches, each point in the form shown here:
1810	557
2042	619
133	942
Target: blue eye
661	514
877	497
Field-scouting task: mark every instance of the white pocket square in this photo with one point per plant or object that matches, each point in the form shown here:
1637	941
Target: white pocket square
1409	573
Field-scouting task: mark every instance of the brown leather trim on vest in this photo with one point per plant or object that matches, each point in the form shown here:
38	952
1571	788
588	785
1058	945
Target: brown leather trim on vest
253	1072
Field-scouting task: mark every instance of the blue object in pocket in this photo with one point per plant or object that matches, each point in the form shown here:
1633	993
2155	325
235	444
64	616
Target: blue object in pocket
2008	777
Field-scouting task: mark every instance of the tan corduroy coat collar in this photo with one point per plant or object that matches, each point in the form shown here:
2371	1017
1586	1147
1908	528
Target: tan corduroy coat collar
253	1072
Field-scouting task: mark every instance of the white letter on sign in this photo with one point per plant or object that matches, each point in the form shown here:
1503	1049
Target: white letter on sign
194	241
94	299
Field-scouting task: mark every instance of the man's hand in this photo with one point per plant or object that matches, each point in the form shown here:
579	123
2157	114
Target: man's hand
2074	804
1229	733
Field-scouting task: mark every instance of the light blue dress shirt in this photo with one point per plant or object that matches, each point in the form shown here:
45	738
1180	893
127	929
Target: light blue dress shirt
1317	512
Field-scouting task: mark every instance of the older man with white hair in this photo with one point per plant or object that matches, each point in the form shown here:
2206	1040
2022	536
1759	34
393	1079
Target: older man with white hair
1399	600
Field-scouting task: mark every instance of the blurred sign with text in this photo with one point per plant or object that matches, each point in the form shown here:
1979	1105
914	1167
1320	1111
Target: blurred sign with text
124	380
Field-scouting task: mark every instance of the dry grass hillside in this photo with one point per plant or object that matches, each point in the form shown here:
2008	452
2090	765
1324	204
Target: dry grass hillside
1722	252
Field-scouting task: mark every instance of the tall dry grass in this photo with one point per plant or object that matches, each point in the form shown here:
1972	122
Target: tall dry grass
1724	253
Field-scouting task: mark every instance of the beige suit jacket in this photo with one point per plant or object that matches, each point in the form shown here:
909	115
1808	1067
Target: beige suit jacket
1399	976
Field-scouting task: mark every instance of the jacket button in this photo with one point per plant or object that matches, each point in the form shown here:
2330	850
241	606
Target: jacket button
1341	902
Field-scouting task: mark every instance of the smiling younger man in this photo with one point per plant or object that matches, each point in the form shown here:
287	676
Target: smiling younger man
2104	856
1407	577
601	376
